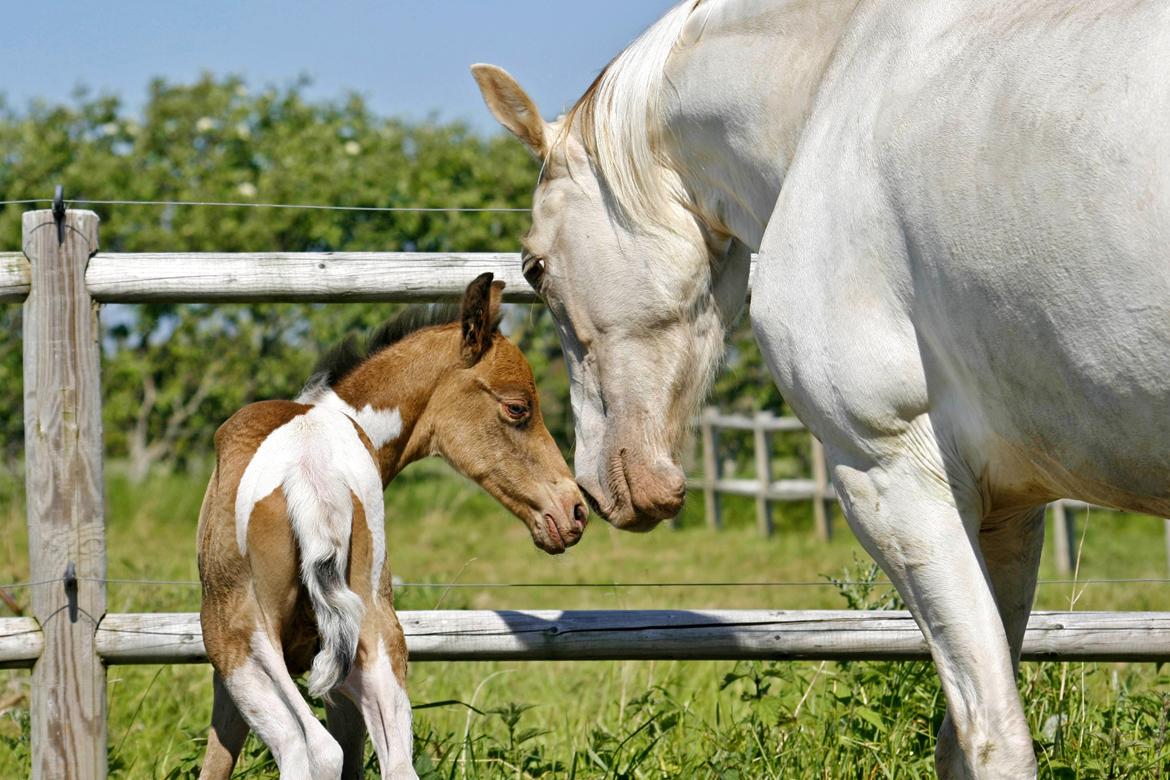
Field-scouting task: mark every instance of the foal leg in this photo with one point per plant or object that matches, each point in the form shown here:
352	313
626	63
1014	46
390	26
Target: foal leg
376	685
228	732
269	700
906	516
347	727
1011	547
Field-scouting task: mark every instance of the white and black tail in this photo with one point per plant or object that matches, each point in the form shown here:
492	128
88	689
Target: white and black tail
320	507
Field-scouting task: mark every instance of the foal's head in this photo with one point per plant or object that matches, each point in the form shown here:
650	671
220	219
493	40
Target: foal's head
449	384
487	424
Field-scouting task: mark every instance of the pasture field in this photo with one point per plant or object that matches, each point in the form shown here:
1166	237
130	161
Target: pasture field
632	719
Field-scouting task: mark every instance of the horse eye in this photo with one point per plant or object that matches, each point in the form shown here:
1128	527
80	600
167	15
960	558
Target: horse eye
516	411
532	267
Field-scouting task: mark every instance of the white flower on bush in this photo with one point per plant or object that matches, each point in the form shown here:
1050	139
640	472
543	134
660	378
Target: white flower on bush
204	123
247	189
352	148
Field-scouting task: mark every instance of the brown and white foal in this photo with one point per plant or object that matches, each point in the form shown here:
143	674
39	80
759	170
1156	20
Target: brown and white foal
292	551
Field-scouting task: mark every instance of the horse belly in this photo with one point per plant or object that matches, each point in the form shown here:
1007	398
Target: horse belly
977	230
1034	198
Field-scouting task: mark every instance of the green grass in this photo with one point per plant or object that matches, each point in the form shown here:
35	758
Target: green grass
628	719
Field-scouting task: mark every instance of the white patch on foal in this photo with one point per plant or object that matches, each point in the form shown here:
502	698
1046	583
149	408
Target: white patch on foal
380	425
272	706
316	454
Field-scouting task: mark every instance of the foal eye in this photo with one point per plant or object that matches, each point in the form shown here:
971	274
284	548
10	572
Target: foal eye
516	411
532	267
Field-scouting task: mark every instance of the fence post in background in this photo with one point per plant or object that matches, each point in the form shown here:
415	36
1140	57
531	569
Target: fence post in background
63	464
1166	532
763	472
821	516
710	438
1064	535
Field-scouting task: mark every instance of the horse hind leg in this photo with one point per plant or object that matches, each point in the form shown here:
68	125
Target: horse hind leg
908	519
1011	548
269	701
345	723
376	686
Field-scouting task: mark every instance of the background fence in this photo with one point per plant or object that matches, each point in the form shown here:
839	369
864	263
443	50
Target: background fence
719	478
69	639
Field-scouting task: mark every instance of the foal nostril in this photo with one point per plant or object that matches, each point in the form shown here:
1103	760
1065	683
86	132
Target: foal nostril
580	516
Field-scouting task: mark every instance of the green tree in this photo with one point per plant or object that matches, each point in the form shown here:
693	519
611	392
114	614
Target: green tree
173	372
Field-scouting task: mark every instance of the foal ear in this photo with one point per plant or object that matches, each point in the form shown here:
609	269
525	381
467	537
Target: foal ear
512	107
478	316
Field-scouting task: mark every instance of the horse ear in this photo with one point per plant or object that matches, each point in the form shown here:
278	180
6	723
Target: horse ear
512	107
478	316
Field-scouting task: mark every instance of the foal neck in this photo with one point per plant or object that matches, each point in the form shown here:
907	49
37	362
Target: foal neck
387	395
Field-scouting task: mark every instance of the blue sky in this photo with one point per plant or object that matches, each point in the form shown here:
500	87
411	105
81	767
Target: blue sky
406	57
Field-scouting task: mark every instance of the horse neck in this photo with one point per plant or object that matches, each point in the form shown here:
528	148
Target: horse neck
732	138
388	396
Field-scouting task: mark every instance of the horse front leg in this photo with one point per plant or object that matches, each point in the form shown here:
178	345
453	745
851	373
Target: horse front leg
907	517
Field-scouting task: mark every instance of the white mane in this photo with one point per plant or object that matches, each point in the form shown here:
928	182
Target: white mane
618	119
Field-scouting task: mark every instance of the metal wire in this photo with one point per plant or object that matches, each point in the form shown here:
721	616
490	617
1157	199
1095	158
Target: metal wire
700	584
311	206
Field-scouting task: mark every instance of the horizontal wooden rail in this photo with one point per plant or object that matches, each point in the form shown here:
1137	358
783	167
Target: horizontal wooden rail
227	277
763	422
777	490
479	635
15	277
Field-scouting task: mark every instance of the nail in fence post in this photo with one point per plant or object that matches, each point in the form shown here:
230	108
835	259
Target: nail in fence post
63	467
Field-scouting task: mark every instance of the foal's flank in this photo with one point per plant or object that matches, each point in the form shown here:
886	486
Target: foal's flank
292	550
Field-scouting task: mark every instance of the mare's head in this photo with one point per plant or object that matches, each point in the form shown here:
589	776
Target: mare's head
641	287
484	419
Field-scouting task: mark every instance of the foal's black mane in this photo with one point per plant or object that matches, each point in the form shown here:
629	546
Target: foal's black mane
342	358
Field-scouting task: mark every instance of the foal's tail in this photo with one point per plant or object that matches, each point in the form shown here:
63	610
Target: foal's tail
320	506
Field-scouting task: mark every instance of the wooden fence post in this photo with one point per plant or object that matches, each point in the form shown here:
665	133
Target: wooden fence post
763	473
821	517
1064	537
63	464
710	468
1166	533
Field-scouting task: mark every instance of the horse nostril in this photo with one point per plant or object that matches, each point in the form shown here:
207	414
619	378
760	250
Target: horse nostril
579	515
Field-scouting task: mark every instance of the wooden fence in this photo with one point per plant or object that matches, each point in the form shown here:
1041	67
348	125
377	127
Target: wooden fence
718	479
69	640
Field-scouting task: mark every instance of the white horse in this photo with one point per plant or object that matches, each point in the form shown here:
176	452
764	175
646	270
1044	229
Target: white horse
962	212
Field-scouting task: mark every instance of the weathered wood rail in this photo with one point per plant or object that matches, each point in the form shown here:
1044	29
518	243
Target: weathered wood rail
69	640
616	635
